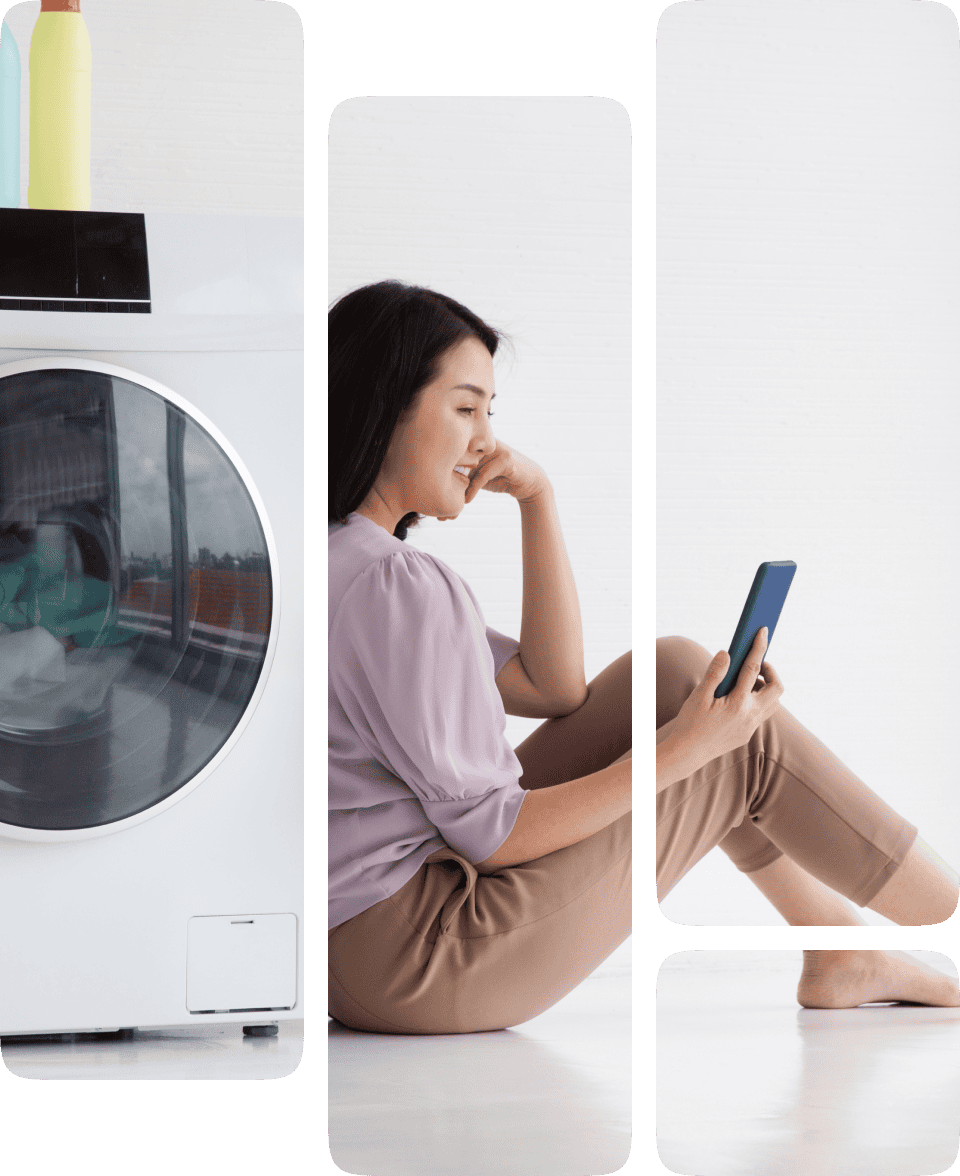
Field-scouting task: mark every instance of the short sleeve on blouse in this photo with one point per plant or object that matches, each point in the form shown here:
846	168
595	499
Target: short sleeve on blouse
502	647
413	667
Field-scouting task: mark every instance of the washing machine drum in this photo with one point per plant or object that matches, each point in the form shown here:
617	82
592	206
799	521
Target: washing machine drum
135	598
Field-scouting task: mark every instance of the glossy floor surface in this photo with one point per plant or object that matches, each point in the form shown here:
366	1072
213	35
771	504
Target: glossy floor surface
548	1098
750	1083
209	1051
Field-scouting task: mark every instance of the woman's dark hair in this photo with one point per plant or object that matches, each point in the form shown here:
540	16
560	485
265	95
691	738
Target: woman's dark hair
384	342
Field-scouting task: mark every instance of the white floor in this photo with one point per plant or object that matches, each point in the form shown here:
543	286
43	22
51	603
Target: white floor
548	1098
749	1083
209	1051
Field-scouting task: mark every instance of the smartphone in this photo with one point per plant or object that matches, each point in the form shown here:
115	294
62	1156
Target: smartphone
764	604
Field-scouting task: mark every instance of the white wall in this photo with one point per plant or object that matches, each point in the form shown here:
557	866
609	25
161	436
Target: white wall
520	209
808	296
196	105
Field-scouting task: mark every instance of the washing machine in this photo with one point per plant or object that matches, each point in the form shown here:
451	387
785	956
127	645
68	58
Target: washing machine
151	621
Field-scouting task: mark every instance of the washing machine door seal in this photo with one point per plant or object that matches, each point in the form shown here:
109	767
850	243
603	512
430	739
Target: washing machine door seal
139	598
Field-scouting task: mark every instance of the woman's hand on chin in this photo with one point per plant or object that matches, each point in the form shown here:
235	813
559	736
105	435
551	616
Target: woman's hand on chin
508	471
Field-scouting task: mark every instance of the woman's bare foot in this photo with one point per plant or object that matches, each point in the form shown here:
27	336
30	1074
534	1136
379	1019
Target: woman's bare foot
845	979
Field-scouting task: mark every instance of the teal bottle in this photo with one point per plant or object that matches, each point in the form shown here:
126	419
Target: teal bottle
9	119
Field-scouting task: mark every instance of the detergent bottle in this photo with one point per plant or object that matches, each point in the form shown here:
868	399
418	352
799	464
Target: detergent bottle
9	119
59	108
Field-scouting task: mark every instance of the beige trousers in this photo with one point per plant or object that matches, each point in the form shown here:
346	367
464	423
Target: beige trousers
783	792
455	951
458	951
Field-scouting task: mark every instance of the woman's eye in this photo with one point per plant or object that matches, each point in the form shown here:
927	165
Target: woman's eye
489	414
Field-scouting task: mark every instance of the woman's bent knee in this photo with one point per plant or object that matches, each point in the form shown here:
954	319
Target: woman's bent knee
681	664
683	648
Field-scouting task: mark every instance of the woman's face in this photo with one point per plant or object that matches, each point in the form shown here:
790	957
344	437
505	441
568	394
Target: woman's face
446	426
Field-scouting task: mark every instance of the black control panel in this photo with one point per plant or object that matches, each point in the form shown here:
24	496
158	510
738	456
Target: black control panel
74	261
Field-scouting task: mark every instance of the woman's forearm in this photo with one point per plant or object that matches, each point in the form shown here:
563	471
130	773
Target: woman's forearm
565	814
551	632
676	759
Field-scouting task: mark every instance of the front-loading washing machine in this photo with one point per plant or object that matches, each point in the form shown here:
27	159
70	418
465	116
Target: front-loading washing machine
151	621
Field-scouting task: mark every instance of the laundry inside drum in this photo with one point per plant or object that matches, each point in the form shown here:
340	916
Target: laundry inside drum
135	598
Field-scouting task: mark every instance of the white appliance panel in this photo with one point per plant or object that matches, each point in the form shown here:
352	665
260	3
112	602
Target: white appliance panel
97	935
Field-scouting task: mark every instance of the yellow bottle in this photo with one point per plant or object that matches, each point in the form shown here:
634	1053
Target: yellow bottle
59	108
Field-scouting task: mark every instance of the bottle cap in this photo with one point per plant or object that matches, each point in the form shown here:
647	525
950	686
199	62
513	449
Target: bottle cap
59	5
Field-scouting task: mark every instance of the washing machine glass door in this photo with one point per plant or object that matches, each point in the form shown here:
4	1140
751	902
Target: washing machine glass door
135	598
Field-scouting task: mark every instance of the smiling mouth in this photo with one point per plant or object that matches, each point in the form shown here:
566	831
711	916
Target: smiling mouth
464	476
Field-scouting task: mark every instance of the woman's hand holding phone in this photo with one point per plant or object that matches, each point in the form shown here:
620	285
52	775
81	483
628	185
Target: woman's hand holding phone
705	727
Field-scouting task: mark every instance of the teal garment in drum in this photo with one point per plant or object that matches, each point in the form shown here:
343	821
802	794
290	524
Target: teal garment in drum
34	590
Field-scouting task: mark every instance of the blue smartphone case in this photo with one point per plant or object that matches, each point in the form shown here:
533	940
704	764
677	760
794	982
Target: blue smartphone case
764	604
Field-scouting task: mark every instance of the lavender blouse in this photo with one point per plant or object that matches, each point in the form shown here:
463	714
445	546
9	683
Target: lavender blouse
417	753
